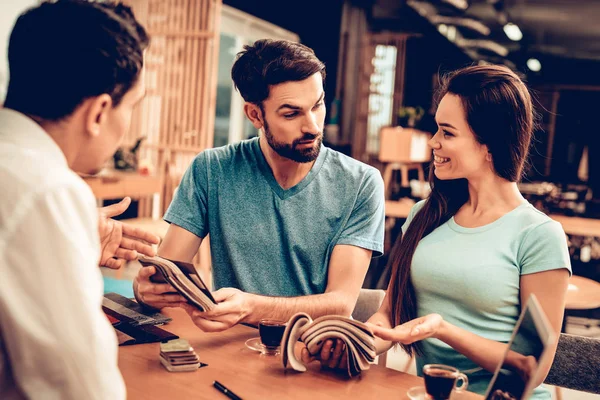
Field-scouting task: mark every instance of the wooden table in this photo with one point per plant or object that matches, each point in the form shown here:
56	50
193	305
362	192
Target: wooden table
571	225
578	226
116	185
398	208
247	373
582	294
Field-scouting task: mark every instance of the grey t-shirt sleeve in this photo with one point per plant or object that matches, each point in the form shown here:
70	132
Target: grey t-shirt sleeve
189	208
544	248
365	226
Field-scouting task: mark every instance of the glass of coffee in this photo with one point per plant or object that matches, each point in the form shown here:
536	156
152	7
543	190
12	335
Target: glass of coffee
271	332
441	379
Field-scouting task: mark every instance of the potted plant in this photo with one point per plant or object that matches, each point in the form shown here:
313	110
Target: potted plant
410	116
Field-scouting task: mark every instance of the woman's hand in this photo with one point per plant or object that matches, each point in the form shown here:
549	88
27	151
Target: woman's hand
411	331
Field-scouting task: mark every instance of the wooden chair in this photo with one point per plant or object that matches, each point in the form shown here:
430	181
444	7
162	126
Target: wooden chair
369	301
402	149
367	304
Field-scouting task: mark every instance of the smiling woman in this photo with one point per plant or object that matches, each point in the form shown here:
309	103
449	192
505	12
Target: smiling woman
485	121
475	249
456	152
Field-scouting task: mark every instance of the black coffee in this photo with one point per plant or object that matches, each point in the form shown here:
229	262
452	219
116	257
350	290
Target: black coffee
439	383
271	333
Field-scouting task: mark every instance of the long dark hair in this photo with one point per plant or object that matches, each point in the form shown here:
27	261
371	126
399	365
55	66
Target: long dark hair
499	111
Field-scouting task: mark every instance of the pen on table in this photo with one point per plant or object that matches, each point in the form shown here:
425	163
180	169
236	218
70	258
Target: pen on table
226	391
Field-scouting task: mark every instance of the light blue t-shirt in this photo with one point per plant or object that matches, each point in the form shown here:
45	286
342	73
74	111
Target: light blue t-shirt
271	241
471	277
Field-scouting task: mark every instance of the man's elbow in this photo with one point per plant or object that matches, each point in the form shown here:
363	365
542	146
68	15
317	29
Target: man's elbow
344	304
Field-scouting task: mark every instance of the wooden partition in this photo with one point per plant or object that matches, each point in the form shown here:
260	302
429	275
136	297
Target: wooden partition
177	115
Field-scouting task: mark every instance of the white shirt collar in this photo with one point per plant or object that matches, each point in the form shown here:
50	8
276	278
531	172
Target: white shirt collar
21	130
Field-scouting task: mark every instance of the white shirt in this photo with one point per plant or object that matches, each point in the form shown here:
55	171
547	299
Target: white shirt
55	341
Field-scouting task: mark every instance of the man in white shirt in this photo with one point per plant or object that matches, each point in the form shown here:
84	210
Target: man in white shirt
76	72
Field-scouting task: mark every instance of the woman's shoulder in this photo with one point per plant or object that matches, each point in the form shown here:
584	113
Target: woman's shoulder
416	208
542	243
526	217
534	228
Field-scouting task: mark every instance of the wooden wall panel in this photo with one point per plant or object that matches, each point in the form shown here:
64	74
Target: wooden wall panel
177	115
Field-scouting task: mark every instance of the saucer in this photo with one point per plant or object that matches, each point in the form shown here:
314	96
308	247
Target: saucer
417	393
255	344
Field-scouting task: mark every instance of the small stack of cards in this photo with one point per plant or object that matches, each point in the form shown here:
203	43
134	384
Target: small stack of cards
178	356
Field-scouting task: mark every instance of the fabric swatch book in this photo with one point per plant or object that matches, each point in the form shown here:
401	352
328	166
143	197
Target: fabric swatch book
130	332
183	277
138	313
359	340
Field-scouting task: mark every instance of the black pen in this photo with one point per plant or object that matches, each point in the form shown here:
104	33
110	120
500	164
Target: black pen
226	391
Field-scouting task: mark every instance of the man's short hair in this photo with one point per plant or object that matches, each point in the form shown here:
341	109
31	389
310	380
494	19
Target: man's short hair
271	62
61	53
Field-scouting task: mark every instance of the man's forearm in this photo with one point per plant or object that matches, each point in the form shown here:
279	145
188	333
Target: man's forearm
282	308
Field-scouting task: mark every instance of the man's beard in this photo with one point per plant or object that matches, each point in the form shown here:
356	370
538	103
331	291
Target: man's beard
291	151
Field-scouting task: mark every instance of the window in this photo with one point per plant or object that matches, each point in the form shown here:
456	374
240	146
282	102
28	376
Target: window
381	97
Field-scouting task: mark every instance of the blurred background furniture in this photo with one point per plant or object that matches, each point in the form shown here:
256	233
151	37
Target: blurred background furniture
113	184
578	226
576	365
577	359
582	294
402	149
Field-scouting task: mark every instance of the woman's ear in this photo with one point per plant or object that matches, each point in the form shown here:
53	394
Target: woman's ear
488	156
254	114
97	113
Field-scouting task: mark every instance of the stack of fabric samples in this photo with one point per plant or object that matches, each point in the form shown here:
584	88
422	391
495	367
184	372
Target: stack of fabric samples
178	356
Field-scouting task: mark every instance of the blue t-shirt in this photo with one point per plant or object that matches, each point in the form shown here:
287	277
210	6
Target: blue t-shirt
471	277
271	241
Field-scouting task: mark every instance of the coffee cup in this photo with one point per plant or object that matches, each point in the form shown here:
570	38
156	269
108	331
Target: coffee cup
271	333
441	379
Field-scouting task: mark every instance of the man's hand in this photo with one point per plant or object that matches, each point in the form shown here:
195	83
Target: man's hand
233	306
121	242
157	295
411	331
333	354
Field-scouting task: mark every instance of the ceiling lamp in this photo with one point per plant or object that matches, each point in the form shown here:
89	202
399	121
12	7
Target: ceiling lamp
468	23
460	4
513	32
534	64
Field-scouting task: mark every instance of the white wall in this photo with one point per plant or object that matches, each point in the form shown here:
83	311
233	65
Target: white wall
9	11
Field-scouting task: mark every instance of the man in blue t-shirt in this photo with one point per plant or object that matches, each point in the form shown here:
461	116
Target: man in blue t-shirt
292	224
